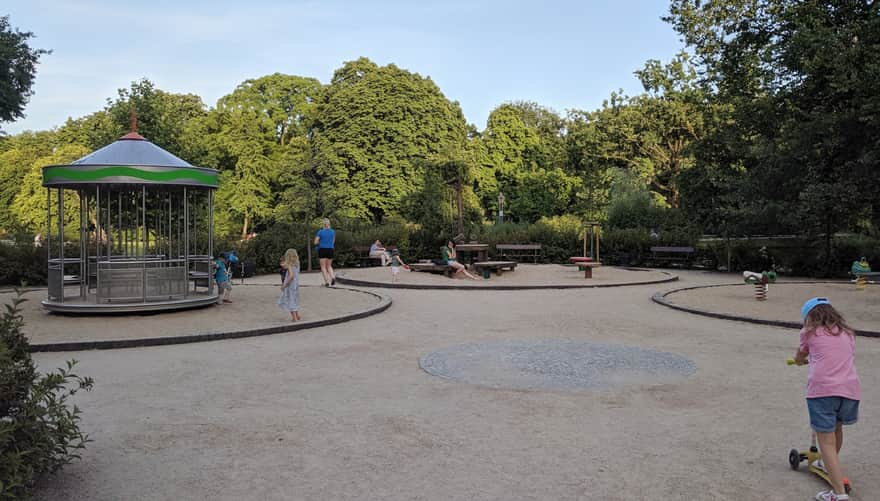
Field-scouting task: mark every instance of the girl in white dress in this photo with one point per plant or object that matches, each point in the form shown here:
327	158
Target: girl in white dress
289	299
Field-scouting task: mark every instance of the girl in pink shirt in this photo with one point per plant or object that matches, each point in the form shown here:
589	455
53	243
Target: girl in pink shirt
833	391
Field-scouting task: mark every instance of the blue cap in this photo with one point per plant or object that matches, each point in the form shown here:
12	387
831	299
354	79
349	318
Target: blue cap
812	303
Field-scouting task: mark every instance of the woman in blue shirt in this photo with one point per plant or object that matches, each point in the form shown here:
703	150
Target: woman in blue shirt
325	239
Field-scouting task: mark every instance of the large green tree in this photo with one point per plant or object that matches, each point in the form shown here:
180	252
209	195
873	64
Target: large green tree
375	129
18	67
800	77
258	136
18	154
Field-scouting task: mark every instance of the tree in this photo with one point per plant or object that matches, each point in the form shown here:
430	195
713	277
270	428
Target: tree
17	160
524	157
374	129
30	202
257	135
800	77
18	67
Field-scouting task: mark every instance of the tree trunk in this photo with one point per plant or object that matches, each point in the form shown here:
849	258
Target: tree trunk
460	211
309	250
828	245
244	228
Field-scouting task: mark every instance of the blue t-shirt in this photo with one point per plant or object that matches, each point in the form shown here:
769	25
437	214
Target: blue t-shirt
326	237
220	274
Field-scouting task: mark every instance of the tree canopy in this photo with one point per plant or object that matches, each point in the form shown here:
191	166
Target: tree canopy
765	122
18	67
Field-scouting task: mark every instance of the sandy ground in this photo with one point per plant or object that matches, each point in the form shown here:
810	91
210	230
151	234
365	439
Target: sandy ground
344	412
254	306
860	307
525	274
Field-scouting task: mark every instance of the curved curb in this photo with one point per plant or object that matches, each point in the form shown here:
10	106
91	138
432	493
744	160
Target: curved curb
660	298
384	304
364	283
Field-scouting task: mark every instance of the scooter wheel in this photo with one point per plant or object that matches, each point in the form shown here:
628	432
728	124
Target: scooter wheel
846	486
794	459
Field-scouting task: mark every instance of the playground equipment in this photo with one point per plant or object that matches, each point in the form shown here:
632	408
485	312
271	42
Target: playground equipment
761	281
861	270
591	235
143	222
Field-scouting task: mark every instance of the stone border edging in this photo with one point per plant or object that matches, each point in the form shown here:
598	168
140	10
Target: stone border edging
384	304
660	298
364	283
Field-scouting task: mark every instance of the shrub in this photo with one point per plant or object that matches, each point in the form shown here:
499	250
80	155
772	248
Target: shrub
39	430
21	262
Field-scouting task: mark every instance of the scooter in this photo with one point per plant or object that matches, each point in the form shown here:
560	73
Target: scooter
812	455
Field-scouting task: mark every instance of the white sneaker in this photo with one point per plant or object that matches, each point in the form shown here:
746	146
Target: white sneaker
829	495
820	465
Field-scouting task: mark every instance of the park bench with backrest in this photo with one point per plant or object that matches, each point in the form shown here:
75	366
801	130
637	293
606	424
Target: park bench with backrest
664	255
506	251
362	252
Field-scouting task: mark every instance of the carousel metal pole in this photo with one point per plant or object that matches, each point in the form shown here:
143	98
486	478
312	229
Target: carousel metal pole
185	243
210	239
83	244
144	243
97	236
61	237
49	235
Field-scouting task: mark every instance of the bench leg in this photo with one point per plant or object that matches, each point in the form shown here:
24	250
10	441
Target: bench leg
588	272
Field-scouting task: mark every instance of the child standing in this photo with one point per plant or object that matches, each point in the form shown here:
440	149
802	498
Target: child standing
221	276
289	299
833	390
396	262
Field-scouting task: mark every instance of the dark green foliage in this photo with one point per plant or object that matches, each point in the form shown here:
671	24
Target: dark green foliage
22	263
18	66
796	151
39	428
795	256
374	128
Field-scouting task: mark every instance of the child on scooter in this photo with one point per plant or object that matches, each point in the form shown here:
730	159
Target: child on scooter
833	392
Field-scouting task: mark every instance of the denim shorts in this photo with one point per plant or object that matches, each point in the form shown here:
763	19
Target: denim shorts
827	412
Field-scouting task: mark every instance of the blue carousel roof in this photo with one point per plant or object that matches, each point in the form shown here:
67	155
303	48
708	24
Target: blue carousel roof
132	149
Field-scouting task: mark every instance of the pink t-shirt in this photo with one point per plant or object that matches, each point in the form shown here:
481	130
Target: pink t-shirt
832	364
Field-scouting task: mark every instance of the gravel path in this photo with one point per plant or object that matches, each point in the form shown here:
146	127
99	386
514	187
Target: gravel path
254	306
344	412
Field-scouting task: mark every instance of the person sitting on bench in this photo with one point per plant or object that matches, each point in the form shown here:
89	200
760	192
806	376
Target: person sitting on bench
447	253
377	250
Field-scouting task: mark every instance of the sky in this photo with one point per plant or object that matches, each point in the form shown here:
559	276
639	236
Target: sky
564	54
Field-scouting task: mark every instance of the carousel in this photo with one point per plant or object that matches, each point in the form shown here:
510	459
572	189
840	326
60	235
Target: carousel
140	231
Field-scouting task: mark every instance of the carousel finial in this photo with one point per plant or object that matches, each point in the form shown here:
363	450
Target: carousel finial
133	119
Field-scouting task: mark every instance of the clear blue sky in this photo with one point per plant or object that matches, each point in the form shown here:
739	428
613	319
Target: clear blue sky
564	54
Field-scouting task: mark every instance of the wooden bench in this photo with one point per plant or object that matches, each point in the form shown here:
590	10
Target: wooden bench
431	267
587	267
487	267
365	259
672	254
519	250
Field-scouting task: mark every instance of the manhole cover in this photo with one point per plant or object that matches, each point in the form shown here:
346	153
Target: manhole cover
555	365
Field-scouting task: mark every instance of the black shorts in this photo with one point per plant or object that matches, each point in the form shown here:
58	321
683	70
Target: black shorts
325	253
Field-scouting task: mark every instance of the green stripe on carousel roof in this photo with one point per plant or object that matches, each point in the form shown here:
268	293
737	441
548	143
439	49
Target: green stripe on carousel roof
174	174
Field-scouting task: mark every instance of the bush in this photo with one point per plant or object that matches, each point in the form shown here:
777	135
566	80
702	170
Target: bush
796	256
39	431
22	263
